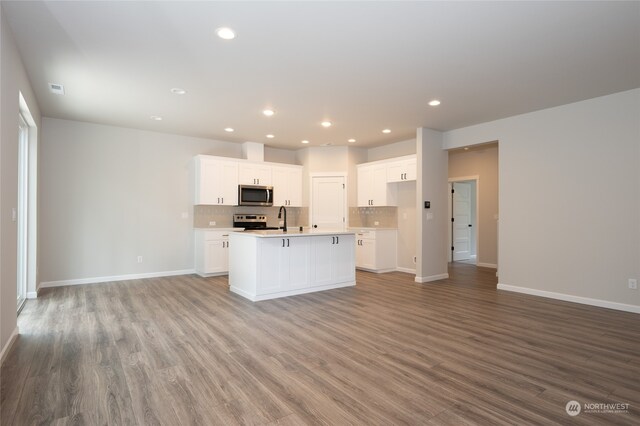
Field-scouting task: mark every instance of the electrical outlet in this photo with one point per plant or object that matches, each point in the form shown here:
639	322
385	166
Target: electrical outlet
212	223
139	259
415	259
633	284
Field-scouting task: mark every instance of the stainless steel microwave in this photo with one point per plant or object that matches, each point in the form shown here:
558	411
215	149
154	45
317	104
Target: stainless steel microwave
254	195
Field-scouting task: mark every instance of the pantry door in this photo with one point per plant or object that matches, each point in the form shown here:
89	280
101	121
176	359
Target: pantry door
328	203
461	220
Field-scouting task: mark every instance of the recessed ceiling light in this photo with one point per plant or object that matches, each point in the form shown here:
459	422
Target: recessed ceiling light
386	131
351	140
229	129
156	118
466	148
268	112
434	102
178	91
57	89
226	33
270	136
305	141
326	124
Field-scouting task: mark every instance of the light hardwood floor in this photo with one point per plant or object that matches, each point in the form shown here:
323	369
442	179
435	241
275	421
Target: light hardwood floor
184	350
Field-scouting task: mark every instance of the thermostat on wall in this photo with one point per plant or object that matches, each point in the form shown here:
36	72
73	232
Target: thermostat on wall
427	204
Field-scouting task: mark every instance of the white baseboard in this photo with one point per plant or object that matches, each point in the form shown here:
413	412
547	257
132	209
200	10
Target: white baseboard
94	280
32	295
487	265
407	270
431	278
377	271
569	298
7	346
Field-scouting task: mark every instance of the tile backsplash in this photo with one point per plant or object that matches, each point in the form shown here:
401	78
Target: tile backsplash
223	215
386	217
366	217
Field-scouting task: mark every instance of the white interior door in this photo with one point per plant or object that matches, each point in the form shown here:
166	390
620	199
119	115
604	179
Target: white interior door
328	203
461	220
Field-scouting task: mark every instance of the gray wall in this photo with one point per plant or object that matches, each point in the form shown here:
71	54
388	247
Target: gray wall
110	194
406	226
13	79
392	150
569	197
431	224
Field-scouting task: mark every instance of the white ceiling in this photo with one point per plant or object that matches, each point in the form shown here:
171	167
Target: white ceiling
365	66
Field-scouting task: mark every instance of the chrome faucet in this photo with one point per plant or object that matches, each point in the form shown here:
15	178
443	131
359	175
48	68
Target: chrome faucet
284	228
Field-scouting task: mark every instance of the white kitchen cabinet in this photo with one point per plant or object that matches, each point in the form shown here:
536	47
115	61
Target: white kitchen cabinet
287	186
216	181
376	249
333	259
212	252
372	186
282	264
254	174
402	170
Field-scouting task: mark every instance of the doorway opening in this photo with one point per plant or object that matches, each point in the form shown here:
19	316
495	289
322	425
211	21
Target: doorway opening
463	211
26	212
328	206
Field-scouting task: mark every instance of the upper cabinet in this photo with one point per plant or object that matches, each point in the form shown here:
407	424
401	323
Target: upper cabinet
372	186
402	170
255	174
374	177
216	181
287	185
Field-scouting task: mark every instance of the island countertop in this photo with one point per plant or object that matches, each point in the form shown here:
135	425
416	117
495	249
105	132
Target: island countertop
295	232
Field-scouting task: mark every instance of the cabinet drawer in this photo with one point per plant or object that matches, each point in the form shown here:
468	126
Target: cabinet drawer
362	234
215	235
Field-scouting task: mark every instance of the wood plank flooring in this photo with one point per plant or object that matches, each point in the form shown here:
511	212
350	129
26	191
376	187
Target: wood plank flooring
184	350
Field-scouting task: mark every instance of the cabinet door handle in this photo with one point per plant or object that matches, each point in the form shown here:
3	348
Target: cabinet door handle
283	242
333	240
225	235
287	242
222	200
218	200
337	240
258	181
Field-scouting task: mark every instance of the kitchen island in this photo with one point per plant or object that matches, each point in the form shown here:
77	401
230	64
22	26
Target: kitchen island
270	264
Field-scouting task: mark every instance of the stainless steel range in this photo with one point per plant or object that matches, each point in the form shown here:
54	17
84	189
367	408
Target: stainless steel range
251	222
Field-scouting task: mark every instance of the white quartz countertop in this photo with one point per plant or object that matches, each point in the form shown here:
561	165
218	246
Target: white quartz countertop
219	229
295	232
364	228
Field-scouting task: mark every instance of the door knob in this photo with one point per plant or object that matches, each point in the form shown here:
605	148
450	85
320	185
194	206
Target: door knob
315	226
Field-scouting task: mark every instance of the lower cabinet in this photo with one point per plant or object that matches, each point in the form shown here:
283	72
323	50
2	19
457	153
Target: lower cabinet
283	264
211	252
376	250
333	259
